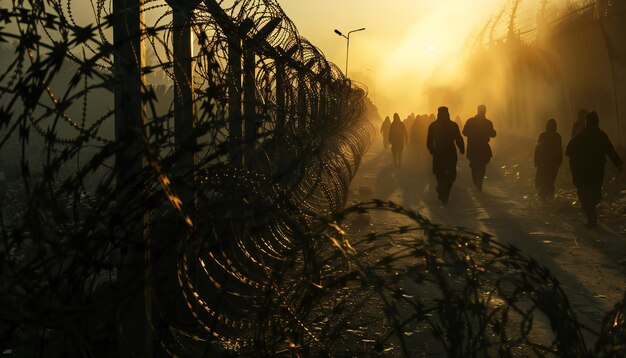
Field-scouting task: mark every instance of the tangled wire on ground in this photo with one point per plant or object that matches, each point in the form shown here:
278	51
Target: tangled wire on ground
83	247
94	263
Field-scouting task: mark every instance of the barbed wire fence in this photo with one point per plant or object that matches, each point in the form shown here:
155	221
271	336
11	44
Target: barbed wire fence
533	43
127	207
206	218
526	20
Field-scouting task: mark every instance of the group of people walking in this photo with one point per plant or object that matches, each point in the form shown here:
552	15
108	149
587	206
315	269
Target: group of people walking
587	150
442	140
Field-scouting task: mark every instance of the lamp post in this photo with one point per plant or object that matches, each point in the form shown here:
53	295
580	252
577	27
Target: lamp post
348	44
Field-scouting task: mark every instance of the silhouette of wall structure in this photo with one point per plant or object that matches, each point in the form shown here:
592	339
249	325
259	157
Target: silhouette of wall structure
536	60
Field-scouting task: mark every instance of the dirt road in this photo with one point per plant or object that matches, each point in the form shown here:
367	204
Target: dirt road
589	262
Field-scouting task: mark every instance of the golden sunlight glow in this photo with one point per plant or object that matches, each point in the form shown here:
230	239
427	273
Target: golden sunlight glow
406	45
407	42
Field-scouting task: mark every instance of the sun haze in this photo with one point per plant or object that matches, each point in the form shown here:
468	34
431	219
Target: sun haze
404	43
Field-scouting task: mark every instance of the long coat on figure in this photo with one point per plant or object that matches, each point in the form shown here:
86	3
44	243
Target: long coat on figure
478	131
548	159
398	135
587	152
443	134
397	138
414	137
384	129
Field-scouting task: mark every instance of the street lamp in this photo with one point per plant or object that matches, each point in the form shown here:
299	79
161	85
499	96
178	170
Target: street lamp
348	45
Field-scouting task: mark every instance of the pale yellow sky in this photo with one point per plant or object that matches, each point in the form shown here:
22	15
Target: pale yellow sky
404	43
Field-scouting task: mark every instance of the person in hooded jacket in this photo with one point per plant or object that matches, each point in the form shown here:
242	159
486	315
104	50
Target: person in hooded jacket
397	138
478	131
580	123
408	122
424	122
588	151
414	137
443	134
384	129
458	121
548	159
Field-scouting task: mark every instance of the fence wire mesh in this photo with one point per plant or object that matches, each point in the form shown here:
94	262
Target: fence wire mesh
226	234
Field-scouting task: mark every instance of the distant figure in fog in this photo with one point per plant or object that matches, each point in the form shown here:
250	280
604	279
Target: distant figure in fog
458	121
397	138
424	122
579	125
384	129
548	159
479	130
587	152
408	122
443	134
414	137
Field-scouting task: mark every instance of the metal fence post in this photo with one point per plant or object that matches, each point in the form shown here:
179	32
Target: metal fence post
249	103
183	93
234	99
281	116
134	338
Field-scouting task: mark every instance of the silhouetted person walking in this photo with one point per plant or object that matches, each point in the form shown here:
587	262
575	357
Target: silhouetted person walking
478	131
424	121
414	137
458	121
548	159
384	129
397	138
587	152
408	122
443	134
579	125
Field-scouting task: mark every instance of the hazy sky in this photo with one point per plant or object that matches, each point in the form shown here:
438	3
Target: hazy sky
405	41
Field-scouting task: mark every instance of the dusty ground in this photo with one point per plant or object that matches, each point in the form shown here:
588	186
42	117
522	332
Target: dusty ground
590	263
